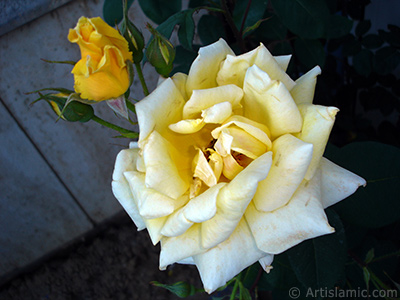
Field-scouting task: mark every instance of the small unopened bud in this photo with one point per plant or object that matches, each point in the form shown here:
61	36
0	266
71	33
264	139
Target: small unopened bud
160	53
135	40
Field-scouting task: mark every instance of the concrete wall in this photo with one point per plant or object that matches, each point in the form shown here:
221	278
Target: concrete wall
55	177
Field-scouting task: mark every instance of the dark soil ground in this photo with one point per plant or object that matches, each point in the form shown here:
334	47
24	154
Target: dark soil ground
116	262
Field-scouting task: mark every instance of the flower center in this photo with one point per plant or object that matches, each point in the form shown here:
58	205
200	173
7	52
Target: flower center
233	145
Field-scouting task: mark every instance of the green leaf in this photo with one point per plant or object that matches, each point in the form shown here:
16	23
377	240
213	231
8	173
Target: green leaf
363	27
351	46
160	10
378	203
372	41
210	29
186	30
305	18
183	59
362	62
309	52
181	289
271	29
255	12
338	26
386	60
281	276
392	37
319	263
370	256
113	11
367	277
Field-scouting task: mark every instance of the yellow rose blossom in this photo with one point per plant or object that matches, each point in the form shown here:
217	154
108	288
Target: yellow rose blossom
228	169
102	73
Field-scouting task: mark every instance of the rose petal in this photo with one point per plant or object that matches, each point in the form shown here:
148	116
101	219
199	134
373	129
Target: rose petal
177	248
232	201
204	69
317	125
176	224
203	207
180	82
234	68
257	130
266	62
151	203
159	109
290	163
217	113
203	170
161	170
126	161
301	219
206	98
226	260
270	103
337	183
303	91
231	167
266	262
187	126
283	61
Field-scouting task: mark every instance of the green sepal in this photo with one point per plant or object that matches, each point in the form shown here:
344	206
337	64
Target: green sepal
160	53
60	90
68	110
68	62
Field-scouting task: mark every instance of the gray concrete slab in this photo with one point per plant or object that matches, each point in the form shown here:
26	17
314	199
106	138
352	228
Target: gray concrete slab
37	214
81	154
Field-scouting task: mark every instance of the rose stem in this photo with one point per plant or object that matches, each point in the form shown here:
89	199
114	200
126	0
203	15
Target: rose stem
109	125
245	17
233	27
141	77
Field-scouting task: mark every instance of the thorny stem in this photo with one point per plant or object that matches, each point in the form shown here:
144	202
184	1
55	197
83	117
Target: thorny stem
141	78
233	27
110	125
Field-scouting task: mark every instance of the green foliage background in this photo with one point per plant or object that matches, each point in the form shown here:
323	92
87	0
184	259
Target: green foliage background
358	77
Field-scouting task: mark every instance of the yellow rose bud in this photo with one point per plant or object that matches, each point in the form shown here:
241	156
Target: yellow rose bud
102	72
228	169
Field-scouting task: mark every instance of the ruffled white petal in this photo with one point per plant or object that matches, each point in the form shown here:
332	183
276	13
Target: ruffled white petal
162	174
204	69
301	219
126	161
187	126
317	125
159	109
232	201
303	91
270	103
234	68
180	82
283	61
266	262
178	248
206	98
337	183
176	224
291	159
217	113
229	258
257	130
204	206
